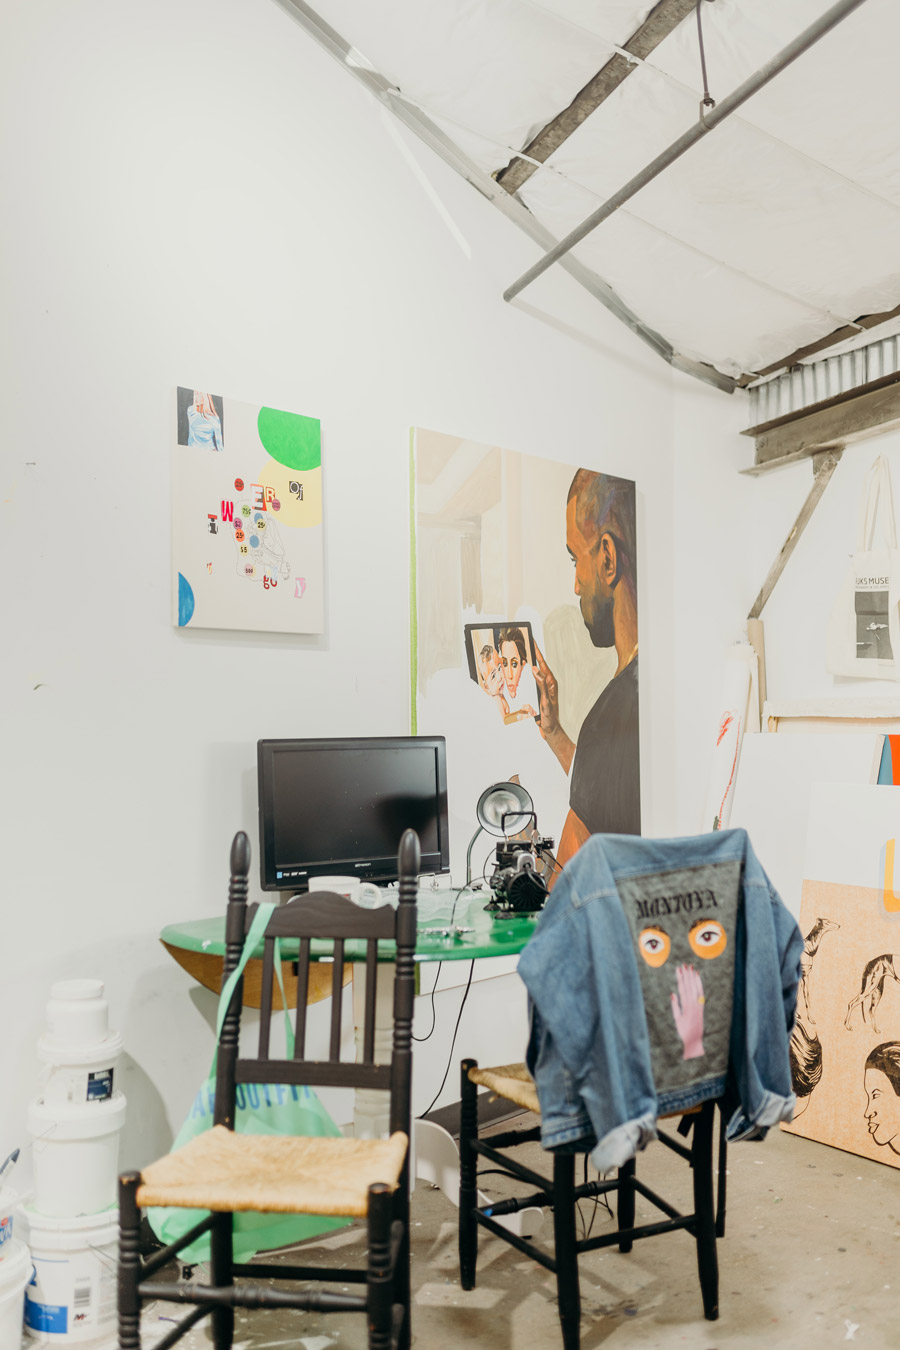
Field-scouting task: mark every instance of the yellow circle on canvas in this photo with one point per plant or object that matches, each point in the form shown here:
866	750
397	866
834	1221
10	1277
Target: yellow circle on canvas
298	493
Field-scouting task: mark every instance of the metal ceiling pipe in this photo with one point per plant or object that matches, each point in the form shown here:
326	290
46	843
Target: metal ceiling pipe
707	123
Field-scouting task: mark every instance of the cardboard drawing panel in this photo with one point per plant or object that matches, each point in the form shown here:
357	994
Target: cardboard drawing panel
845	1047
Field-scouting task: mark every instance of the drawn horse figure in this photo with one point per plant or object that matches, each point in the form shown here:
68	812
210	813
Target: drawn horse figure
872	988
810	947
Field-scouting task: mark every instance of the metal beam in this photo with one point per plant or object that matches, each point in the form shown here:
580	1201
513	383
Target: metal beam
707	123
427	131
659	23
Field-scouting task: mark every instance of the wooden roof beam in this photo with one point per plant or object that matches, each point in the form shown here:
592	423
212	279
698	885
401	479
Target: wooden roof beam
859	325
660	22
868	410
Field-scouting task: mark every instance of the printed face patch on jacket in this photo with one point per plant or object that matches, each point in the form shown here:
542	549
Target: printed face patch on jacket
684	926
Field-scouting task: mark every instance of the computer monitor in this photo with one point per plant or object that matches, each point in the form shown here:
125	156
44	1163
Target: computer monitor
340	806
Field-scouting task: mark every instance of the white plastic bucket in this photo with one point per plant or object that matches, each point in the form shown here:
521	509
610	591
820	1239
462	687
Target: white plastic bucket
8	1201
79	1073
77	1013
73	1294
75	1156
15	1273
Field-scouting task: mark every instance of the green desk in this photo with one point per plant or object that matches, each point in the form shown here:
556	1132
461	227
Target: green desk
199	945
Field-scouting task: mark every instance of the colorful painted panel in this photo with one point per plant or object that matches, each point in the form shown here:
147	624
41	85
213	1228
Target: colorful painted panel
525	640
845	1046
247	517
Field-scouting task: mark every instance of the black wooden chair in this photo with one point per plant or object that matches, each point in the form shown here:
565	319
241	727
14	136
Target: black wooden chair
225	1172
705	1223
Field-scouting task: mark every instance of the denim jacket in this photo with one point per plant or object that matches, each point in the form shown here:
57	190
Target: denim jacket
626	1025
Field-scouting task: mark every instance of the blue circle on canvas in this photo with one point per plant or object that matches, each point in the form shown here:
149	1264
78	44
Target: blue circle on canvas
185	601
254	541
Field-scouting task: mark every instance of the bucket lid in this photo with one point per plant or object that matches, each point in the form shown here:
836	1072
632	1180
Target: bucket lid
97	1052
71	1234
74	991
15	1266
84	1120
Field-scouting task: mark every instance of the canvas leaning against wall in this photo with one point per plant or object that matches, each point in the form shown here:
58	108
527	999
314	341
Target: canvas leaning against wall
247	517
524	640
845	1046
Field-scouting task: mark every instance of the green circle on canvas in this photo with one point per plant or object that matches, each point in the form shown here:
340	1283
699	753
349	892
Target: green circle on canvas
291	439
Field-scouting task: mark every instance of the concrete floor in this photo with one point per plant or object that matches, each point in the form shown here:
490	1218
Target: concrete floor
811	1258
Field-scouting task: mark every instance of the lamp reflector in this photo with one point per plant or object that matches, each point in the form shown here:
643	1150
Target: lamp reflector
498	801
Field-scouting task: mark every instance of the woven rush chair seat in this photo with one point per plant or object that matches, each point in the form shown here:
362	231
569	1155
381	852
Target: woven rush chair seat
511	1081
223	1171
515	1084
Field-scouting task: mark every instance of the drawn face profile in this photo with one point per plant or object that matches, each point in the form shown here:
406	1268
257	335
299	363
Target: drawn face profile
882	1109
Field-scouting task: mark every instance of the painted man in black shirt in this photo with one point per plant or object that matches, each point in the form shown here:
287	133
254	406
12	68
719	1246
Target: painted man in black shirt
605	788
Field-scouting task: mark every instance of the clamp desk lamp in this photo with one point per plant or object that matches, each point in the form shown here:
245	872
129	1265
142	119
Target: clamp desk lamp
503	809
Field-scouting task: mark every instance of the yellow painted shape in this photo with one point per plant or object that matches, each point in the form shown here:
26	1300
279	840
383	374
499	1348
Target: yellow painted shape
889	895
292	512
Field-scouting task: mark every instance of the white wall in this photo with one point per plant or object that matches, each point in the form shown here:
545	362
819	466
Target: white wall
714	574
196	194
729	529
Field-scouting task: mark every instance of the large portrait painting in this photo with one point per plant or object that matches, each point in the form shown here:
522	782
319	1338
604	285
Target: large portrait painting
525	634
845	1045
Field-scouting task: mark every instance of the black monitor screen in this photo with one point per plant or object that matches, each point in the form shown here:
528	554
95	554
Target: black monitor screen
341	806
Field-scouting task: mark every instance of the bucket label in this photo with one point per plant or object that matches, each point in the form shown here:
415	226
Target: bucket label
6	1229
100	1085
73	1292
51	1317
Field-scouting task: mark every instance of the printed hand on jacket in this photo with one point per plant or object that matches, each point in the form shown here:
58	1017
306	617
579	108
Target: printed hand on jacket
687	1009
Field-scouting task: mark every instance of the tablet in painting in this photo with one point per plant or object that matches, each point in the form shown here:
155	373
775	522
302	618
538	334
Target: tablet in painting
500	658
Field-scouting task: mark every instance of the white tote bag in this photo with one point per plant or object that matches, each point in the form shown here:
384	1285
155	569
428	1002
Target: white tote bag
864	630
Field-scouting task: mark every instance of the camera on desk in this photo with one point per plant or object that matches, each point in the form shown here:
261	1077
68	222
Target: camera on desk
517	881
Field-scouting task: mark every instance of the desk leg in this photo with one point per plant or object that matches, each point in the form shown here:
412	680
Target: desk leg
435	1157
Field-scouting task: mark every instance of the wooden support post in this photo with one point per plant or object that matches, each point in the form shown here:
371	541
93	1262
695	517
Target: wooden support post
757	639
824	465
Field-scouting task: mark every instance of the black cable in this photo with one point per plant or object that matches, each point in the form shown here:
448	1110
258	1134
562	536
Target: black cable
453	1042
433	1013
556	864
459	891
597	1201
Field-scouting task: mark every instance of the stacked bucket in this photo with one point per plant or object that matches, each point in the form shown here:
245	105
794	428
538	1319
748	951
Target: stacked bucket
15	1272
75	1125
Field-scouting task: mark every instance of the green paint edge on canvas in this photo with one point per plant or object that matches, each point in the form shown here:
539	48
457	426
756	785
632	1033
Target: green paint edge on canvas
413	613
